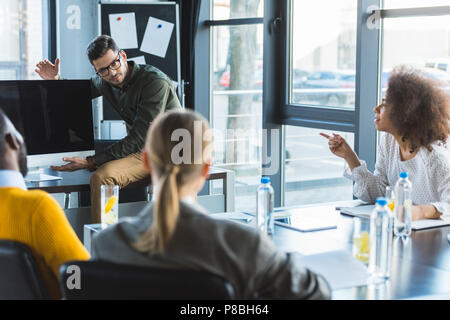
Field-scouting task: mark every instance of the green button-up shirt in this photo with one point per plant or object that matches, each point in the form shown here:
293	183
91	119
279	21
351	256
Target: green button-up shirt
147	93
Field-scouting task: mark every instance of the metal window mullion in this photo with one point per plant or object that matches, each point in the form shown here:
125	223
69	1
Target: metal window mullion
366	95
320	124
319	113
202	71
21	17
289	53
274	39
413	12
234	22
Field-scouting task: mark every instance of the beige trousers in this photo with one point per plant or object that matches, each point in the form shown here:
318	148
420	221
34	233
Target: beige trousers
120	172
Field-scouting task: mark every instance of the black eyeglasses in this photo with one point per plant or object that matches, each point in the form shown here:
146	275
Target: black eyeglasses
103	72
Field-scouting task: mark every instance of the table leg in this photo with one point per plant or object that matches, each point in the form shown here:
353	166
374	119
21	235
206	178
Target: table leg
87	238
67	200
149	193
228	188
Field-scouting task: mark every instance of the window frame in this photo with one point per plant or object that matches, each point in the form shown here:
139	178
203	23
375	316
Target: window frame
327	118
277	110
203	94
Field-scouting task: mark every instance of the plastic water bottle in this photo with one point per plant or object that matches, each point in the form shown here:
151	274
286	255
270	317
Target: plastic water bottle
403	206
380	240
264	206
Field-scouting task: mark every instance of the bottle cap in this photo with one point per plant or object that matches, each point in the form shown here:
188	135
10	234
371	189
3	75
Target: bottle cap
265	180
381	201
403	175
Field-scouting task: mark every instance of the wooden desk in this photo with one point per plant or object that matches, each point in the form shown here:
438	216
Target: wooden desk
78	181
420	266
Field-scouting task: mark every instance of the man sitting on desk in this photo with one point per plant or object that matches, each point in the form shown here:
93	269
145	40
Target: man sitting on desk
138	93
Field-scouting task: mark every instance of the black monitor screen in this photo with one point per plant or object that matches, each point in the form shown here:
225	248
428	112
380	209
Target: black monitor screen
53	116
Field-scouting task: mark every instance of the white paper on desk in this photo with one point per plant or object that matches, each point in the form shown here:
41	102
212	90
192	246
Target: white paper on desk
361	211
307	219
236	216
157	37
41	177
138	60
123	30
429	223
365	211
339	268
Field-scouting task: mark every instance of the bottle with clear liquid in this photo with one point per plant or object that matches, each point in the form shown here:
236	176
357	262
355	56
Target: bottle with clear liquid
264	206
403	206
380	240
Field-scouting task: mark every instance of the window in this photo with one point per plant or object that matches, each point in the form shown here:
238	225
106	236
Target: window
236	94
312	173
395	4
323	53
328	65
320	96
323	49
21	38
234	9
417	36
420	42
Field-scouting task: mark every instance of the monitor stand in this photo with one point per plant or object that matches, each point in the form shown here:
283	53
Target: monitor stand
38	175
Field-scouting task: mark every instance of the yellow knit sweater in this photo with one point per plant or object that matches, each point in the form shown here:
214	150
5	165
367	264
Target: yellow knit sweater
36	219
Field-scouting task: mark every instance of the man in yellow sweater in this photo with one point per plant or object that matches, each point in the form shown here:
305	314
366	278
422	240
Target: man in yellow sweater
33	217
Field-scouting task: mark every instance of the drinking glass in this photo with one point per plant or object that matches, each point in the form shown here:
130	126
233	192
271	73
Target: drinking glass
361	239
109	196
390	198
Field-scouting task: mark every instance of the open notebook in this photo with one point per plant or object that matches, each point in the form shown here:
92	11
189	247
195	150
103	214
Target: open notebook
365	211
307	219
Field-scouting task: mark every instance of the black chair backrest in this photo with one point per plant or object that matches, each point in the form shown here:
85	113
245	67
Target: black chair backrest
20	278
105	280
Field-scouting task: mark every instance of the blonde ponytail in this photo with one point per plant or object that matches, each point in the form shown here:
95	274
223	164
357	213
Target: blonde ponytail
171	177
165	213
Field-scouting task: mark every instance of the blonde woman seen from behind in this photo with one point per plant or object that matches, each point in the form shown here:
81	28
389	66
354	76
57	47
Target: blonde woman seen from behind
175	232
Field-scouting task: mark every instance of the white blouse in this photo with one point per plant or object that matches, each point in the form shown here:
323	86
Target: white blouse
429	173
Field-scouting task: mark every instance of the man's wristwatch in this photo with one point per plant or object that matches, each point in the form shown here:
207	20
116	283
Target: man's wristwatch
91	163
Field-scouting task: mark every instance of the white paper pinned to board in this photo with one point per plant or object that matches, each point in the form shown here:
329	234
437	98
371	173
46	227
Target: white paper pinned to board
138	60
157	37
123	30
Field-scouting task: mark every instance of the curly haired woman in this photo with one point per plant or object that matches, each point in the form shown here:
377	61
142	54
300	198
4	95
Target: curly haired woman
414	118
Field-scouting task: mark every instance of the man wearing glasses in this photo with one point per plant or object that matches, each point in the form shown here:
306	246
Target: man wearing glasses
138	93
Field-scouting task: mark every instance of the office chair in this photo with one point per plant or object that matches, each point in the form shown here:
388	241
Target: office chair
19	275
105	280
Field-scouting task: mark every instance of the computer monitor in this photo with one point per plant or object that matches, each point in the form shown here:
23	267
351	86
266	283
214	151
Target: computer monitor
54	117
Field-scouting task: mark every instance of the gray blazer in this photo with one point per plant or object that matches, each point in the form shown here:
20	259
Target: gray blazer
235	251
